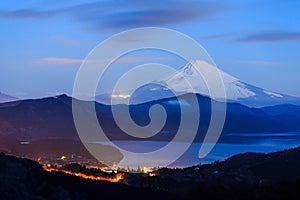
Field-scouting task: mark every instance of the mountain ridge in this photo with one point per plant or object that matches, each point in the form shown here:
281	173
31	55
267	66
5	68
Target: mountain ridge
52	117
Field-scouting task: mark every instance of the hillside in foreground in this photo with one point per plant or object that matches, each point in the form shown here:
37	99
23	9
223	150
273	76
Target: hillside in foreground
26	179
244	176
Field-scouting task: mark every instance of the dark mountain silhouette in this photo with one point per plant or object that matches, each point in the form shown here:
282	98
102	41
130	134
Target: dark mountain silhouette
52	118
35	119
287	113
25	179
244	176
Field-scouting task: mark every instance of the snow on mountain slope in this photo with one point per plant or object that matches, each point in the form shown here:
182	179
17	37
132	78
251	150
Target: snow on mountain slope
235	89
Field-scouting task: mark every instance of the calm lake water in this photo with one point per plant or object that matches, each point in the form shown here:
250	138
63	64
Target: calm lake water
227	146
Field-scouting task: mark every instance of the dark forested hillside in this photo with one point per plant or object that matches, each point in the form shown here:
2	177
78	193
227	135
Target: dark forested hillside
244	176
52	118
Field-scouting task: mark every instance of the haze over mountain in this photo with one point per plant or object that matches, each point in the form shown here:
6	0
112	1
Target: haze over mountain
6	98
235	89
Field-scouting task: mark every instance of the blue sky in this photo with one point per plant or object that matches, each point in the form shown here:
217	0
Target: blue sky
44	42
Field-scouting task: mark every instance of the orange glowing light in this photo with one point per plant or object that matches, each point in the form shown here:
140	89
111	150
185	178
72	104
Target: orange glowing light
118	177
152	174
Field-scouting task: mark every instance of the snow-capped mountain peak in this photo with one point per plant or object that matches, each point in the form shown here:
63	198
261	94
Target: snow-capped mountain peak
191	72
235	89
188	69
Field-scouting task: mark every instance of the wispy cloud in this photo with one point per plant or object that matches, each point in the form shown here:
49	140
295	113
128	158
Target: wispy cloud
160	14
68	61
54	60
28	13
136	59
258	62
271	36
216	36
51	94
20	94
130	13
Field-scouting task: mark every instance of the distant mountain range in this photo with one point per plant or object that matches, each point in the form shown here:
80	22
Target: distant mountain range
235	89
6	98
52	118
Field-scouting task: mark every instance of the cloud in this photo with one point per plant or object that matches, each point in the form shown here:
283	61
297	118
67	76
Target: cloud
68	61
216	36
258	62
55	93
136	59
55	60
21	94
29	13
161	14
124	13
271	36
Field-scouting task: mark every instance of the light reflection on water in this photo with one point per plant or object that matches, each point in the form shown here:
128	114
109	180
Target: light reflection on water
227	146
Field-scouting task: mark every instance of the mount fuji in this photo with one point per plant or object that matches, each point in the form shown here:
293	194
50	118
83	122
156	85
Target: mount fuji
235	89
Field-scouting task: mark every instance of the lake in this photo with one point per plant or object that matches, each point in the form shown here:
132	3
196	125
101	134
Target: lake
139	153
